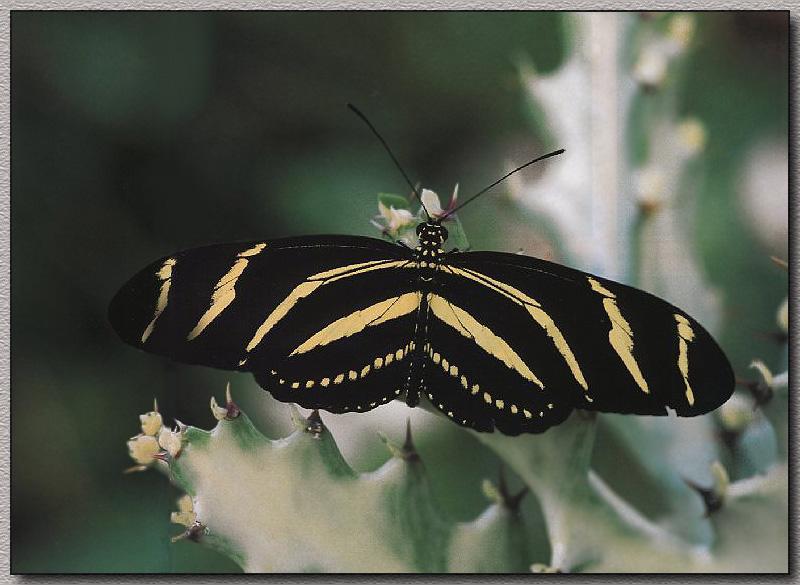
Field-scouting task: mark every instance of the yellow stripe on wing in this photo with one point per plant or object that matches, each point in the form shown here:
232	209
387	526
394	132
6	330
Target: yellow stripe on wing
485	338
164	274
620	336
311	284
535	310
357	321
685	336
225	290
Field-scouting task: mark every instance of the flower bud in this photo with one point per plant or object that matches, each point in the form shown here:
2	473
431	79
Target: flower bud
151	421
143	448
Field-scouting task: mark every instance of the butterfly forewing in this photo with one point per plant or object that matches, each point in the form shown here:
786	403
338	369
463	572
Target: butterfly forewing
250	305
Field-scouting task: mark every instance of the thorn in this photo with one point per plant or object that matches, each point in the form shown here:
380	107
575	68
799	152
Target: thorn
217	411
501	494
180	427
162	456
193	533
314	424
155	405
134	469
761	392
780	262
515	500
409	442
777	337
232	408
711	499
729	438
407	452
298	421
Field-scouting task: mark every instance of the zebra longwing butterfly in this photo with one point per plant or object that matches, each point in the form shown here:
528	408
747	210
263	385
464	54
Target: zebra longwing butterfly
492	340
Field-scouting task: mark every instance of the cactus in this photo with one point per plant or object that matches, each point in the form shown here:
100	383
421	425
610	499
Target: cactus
622	208
295	505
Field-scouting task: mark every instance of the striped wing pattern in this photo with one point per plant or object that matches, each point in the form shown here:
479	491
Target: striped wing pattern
591	343
169	300
510	342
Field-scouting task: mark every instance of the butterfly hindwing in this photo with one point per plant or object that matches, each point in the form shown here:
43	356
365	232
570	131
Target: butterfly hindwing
489	356
329	369
598	344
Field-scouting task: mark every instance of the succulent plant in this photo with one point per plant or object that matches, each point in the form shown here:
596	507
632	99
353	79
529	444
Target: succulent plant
716	486
294	504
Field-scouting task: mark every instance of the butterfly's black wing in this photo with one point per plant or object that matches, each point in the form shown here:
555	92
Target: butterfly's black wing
526	341
322	321
512	342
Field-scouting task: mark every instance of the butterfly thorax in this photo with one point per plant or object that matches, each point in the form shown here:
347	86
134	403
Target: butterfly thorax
432	237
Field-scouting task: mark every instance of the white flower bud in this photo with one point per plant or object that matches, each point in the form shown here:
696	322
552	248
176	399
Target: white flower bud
396	219
183	518
218	411
170	441
783	315
692	136
151	423
542	568
185	514
651	67
765	372
142	448
650	185
721	479
430	200
737	413
185	503
681	29
491	492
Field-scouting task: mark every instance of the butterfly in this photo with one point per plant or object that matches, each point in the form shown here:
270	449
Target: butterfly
492	340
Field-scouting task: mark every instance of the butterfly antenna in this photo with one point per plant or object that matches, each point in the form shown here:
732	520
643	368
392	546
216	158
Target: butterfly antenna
416	192
501	179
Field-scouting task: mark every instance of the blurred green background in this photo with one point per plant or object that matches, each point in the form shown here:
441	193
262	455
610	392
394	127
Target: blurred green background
138	134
